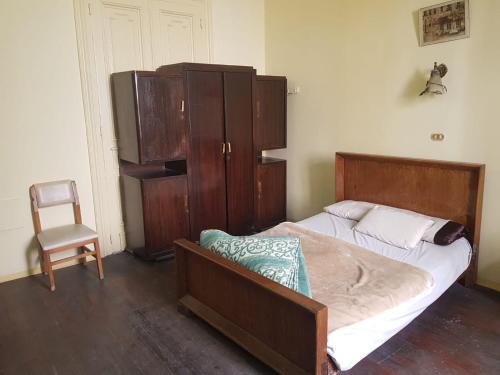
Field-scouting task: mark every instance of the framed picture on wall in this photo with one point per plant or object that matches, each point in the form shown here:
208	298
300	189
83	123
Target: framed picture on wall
444	22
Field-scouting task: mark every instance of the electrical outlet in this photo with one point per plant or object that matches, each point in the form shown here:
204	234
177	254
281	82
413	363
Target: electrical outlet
437	136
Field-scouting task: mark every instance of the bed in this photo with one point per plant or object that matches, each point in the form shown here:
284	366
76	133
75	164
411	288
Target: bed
348	345
259	314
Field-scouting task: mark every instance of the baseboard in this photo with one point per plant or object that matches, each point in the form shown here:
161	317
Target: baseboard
38	270
489	284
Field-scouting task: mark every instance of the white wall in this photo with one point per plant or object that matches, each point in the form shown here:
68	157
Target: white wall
360	69
42	129
238	33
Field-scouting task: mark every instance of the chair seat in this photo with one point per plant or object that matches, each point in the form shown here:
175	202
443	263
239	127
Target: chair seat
65	235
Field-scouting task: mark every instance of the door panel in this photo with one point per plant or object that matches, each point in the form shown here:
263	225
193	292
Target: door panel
120	36
240	156
177	35
179	32
206	161
123	38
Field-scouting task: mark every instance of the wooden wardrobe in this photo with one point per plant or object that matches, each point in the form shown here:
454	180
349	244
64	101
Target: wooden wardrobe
206	124
219	108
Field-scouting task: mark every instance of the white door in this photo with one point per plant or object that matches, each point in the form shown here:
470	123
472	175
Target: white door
120	35
179	32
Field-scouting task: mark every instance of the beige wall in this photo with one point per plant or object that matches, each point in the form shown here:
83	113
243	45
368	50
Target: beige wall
238	33
43	130
360	70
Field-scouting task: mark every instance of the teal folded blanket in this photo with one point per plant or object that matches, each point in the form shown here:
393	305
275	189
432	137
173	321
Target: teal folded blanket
277	258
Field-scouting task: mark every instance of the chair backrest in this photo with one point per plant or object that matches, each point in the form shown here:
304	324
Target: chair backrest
54	193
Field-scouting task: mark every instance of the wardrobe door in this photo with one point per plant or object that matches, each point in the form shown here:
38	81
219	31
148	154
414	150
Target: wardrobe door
151	115
271	192
125	115
175	142
150	118
206	164
239	157
270	119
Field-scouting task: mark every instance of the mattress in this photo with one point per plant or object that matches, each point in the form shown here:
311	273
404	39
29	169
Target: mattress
349	344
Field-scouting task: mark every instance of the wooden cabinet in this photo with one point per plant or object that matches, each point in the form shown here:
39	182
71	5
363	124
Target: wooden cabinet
221	158
155	205
271	192
270	108
189	137
270	133
150	117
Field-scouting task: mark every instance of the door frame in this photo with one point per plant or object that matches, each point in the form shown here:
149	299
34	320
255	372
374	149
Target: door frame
90	97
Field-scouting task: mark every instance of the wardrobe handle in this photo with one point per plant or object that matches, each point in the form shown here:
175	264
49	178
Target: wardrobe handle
258	108
182	105
186	207
223	148
228	147
259	190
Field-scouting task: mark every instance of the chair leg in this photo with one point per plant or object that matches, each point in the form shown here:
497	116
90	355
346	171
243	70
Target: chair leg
98	259
45	268
82	261
43	263
48	268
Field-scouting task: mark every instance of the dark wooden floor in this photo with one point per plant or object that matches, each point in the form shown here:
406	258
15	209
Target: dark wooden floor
128	324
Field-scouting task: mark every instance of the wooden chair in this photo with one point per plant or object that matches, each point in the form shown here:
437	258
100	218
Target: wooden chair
63	238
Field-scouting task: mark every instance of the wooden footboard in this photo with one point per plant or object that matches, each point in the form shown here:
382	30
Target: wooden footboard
282	328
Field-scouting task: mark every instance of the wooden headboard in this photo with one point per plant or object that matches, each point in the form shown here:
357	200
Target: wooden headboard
449	190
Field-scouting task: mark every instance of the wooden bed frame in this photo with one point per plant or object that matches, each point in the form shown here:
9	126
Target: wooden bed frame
260	315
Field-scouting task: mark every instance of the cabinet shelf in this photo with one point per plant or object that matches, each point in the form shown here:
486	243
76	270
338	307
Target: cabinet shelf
263	160
155	175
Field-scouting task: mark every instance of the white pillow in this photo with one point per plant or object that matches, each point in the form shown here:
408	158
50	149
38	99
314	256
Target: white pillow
393	226
352	210
355	210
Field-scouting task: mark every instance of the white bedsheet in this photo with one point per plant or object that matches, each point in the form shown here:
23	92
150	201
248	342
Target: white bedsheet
348	345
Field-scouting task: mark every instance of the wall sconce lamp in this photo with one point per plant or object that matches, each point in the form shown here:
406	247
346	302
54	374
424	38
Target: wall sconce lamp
435	84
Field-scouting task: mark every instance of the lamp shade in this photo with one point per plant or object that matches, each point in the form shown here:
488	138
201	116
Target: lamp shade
435	83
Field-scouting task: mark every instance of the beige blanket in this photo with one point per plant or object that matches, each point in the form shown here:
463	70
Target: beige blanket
354	283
